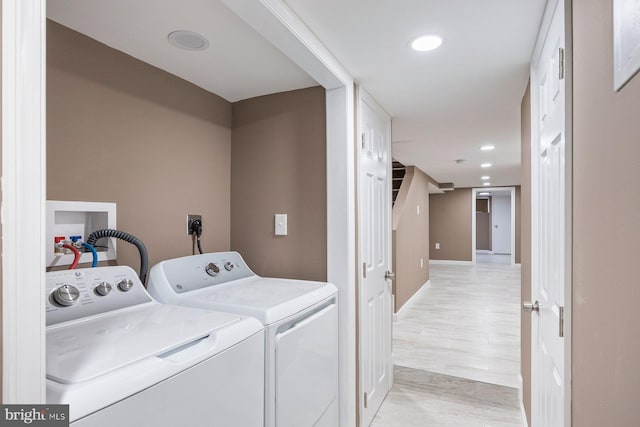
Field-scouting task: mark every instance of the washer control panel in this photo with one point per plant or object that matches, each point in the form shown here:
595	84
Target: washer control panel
200	271
74	294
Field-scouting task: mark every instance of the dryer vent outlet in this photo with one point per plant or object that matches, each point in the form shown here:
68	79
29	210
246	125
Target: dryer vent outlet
190	219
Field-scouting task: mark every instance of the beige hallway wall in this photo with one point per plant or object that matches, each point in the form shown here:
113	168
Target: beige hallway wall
606	234
120	130
279	166
411	236
450	225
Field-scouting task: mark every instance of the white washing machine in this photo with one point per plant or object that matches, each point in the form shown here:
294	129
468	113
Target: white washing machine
119	358
301	337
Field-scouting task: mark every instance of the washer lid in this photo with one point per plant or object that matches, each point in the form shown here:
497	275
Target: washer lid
88	348
268	300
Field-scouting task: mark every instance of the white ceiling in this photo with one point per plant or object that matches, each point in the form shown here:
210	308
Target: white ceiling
444	103
239	63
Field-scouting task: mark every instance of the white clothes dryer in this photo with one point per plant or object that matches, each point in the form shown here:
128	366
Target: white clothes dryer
119	358
301	337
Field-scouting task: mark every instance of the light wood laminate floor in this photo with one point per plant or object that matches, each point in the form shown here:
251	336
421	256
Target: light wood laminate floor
457	350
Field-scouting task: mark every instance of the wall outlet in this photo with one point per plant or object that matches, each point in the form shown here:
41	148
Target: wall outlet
190	219
437	245
421	262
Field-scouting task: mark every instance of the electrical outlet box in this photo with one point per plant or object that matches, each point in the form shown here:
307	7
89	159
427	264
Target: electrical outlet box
190	219
66	219
437	245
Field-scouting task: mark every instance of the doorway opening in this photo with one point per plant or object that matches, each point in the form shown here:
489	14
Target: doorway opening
493	228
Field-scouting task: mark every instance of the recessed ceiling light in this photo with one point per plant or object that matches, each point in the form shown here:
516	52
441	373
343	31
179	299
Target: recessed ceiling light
188	40
485	177
487	147
484	194
486	184
485	165
426	43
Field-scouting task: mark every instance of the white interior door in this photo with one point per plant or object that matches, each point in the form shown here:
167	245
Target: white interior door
375	314
550	227
501	224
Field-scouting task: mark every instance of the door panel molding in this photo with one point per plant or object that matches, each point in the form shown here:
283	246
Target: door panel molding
558	167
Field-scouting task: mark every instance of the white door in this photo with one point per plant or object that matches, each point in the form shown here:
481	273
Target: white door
551	196
501	225
375	313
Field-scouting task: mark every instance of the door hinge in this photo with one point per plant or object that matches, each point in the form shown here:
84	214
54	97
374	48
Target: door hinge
363	140
561	64
561	317
364	270
365	400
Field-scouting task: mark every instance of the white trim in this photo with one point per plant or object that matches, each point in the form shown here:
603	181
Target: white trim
474	195
407	305
523	412
278	24
484	251
23	200
450	262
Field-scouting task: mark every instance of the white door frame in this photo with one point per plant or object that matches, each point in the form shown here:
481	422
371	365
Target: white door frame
474	194
24	194
535	174
23	200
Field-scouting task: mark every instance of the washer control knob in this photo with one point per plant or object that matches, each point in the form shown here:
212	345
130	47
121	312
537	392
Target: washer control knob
103	288
66	295
212	269
228	266
125	285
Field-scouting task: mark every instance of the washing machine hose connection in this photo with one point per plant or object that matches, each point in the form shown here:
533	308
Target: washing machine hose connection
129	238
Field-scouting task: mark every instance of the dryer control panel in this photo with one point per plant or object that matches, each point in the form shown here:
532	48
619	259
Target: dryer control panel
199	271
74	294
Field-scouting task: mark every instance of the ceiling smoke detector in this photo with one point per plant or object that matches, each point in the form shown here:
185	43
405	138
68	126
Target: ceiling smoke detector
188	40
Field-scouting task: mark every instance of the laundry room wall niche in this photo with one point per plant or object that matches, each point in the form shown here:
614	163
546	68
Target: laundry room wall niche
120	130
278	165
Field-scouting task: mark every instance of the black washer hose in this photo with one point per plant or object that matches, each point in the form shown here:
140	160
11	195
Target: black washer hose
129	238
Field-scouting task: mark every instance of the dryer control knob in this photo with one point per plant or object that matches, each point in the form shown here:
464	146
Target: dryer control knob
212	269
103	288
228	266
125	285
66	295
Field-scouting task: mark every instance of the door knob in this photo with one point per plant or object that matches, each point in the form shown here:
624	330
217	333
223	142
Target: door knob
389	275
528	307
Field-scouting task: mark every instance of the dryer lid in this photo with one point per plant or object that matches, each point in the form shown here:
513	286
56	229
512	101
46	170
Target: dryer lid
89	348
268	300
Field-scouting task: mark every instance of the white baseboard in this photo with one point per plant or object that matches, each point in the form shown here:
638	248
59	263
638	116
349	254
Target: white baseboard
484	251
403	310
449	262
523	413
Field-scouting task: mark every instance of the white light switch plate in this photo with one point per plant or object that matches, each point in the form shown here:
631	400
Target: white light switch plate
281	225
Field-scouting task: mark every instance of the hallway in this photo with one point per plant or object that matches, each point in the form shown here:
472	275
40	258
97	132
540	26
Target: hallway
456	351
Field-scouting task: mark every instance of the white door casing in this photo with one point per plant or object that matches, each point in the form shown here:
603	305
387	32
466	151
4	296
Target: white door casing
501	225
375	312
551	226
